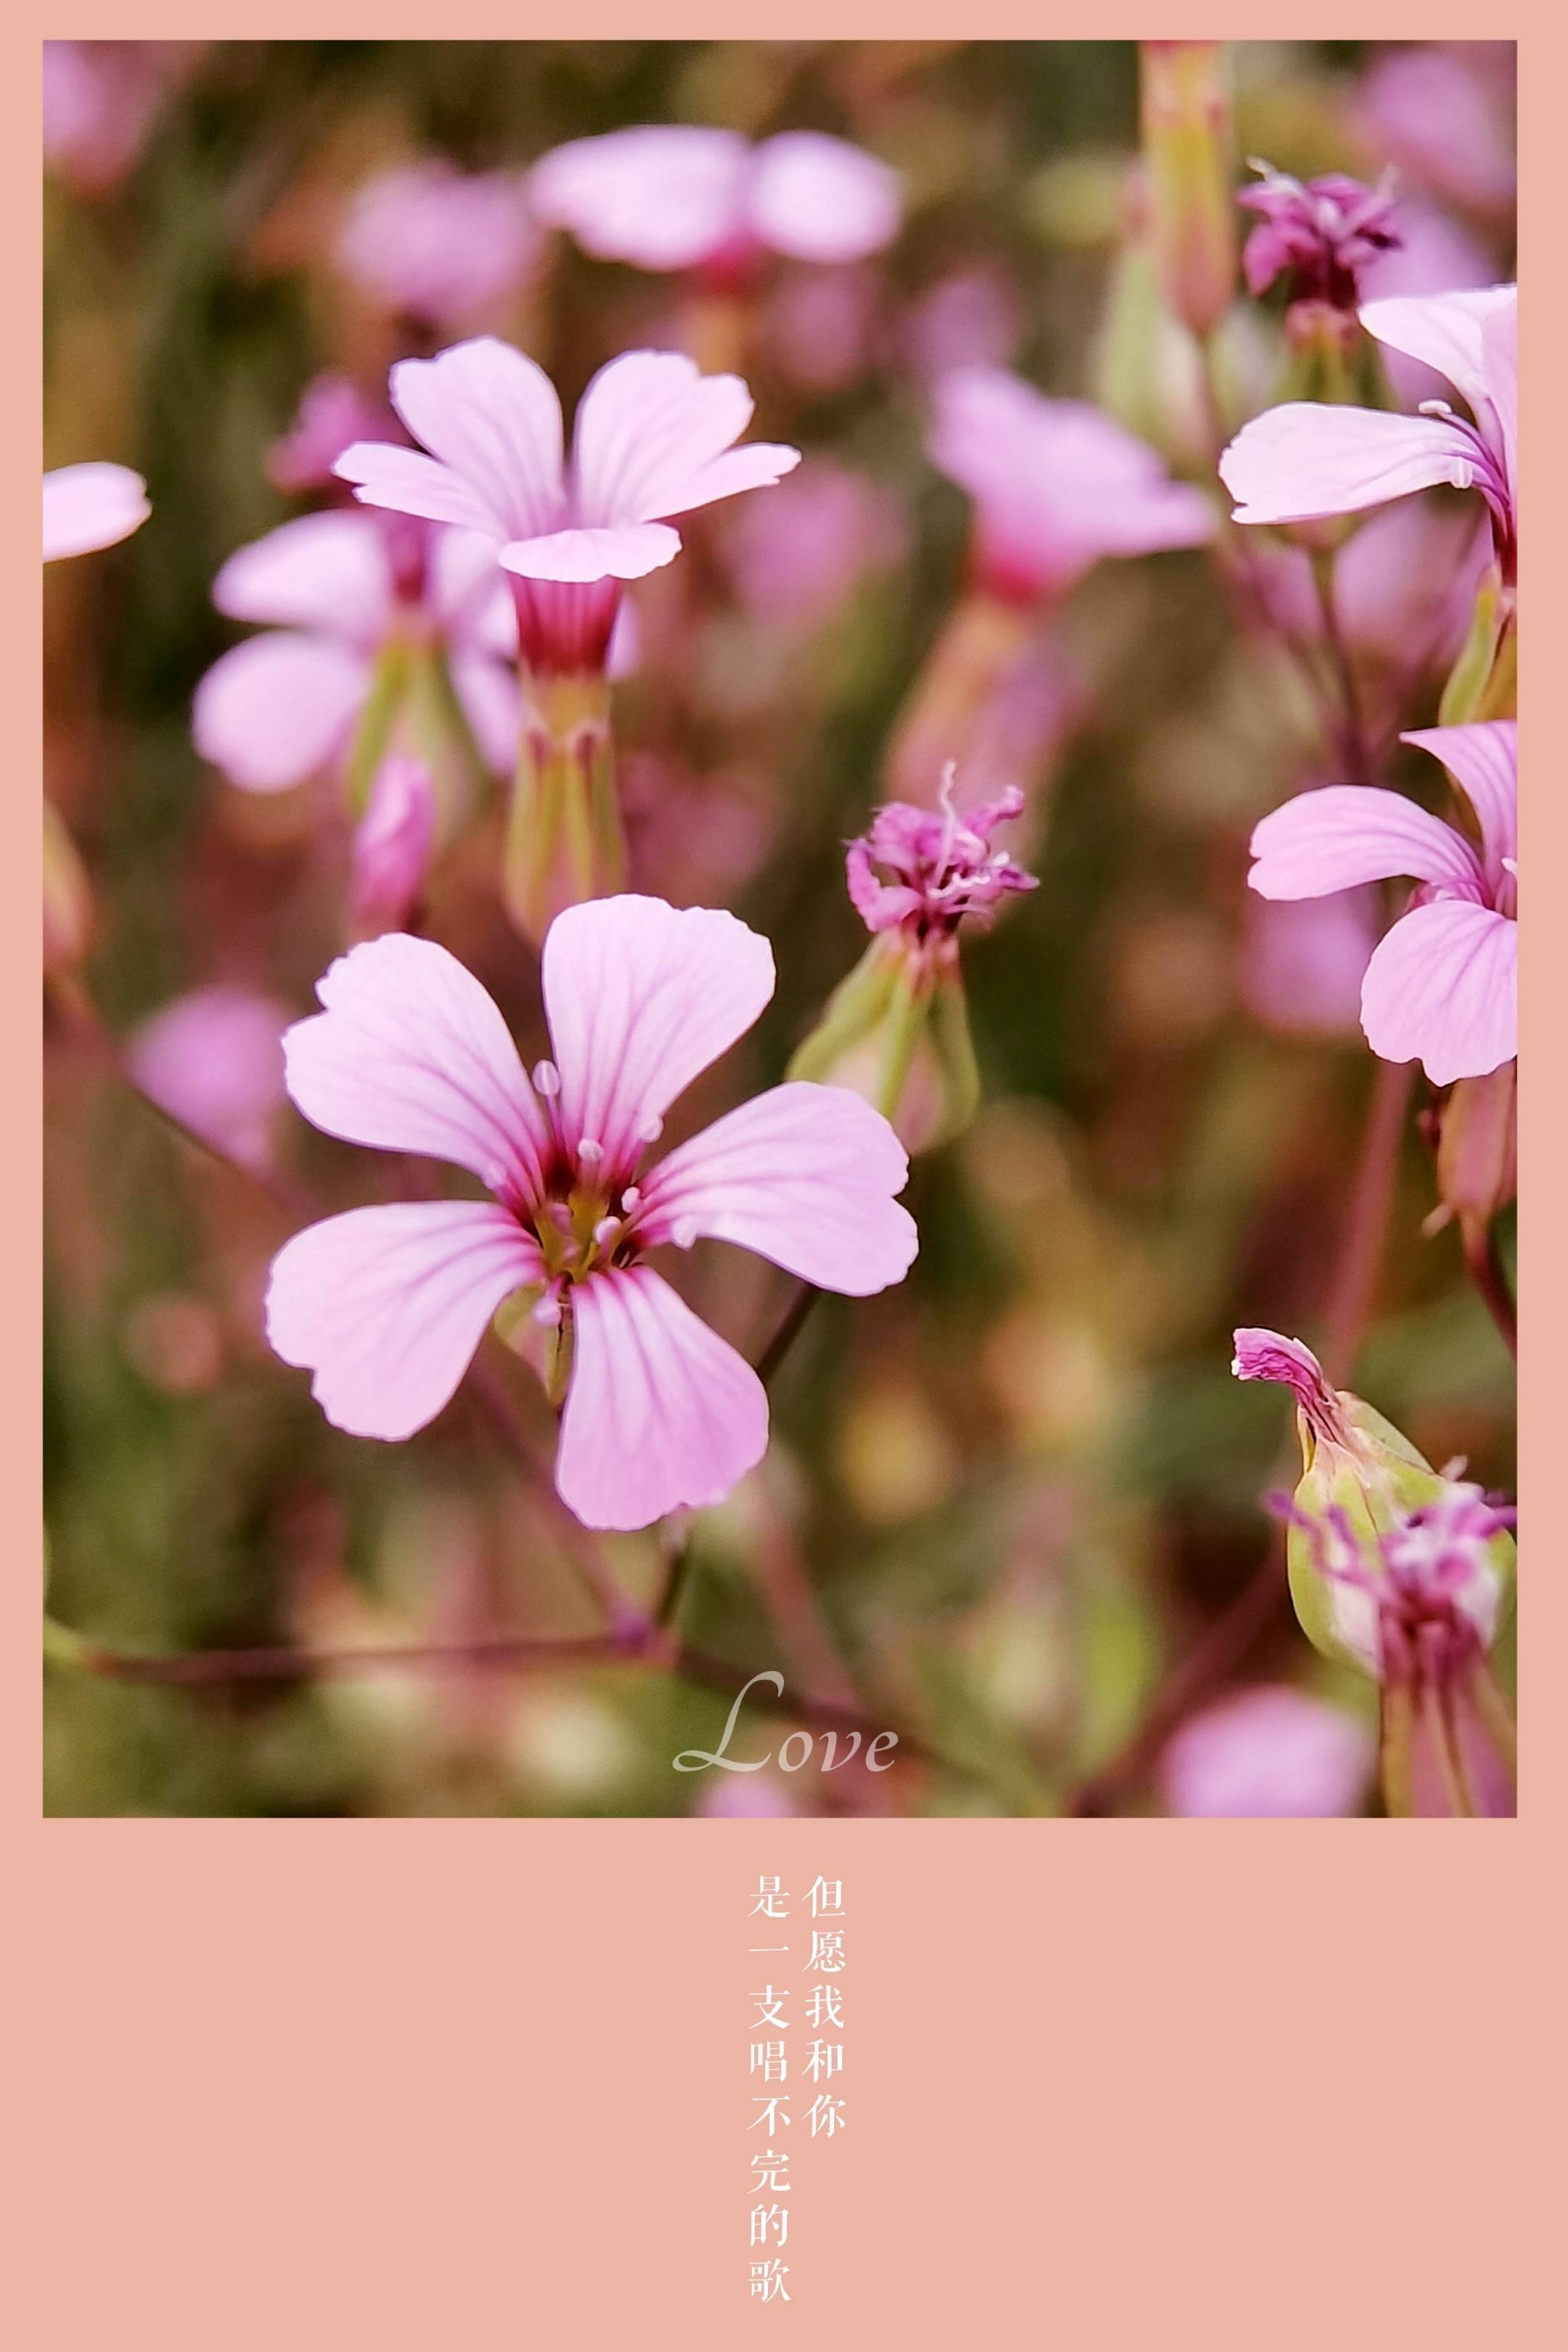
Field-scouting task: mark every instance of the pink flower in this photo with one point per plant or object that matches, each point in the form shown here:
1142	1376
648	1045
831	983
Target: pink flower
1426	110
1303	962
392	846
972	320
273	710
1268	1754
1055	484
435	244
943	864
332	413
91	506
1441	987
1323	233
99	98
652	439
795	557
387	1305
1306	459
214	1060
675	196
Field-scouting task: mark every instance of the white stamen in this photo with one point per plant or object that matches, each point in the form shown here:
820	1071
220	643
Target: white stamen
650	1130
590	1151
630	1198
546	1079
1436	408
1511	865
547	1314
684	1232
606	1229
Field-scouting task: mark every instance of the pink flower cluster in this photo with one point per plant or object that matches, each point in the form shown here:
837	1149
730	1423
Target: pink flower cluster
943	866
386	1305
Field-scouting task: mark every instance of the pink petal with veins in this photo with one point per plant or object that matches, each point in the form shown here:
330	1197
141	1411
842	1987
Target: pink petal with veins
1442	989
661	1415
653	438
1346	834
325	572
1305	459
640	998
386	1305
1484	756
412	1054
803	1175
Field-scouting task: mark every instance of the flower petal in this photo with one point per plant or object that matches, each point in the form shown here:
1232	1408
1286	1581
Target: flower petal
491	415
412	1054
819	199
1305	459
805	1176
661	195
322	572
1484	757
91	506
1443	330
1345	834
628	551
639	999
386	1305
1443	989
1500	363
275	708
661	1415
652	439
409	482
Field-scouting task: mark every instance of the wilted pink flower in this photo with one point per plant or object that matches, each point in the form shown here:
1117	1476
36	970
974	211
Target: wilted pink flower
1303	962
652	439
1424	109
677	197
332	413
439	244
387	1305
943	864
274	710
91	506
214	1060
1307	459
1441	987
392	846
1268	1754
795	557
99	98
1323	231
1056	485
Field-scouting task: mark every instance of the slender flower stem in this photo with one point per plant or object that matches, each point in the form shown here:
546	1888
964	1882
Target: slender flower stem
1366	1224
1484	1261
788	1331
1352	732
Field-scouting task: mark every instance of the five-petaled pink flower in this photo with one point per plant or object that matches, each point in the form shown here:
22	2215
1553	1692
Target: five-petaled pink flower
439	244
1056	485
387	1305
1442	985
344	586
91	506
683	196
653	438
1306	459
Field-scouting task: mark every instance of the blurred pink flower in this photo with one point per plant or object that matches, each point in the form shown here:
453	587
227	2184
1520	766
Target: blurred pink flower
1303	962
438	244
1269	1753
1441	986
392	846
969	320
1055	484
273	710
652	439
734	1798
387	1305
332	413
1435	254
1426	110
794	558
820	326
99	98
943	864
91	506
1324	232
675	195
214	1060
1307	459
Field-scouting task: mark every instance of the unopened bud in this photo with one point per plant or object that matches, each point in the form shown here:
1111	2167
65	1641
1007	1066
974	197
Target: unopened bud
392	847
1186	107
